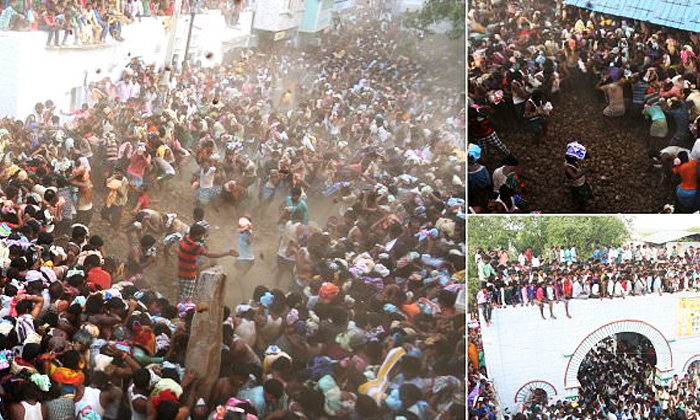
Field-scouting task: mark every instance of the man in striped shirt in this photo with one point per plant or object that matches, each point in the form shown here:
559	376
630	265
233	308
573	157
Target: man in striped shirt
187	270
111	148
481	132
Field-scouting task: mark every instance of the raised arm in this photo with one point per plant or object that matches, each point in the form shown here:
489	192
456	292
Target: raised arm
229	253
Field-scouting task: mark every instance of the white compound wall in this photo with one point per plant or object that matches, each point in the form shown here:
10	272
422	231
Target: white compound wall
523	350
32	73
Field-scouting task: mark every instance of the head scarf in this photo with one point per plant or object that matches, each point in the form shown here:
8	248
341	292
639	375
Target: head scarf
41	381
67	376
184	307
5	327
267	299
576	150
84	411
232	405
244	224
144	338
164	395
84	163
331	392
167	385
328	291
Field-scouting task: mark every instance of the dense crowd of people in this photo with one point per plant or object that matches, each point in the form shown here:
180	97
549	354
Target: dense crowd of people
615	271
91	22
618	381
524	54
482	401
364	321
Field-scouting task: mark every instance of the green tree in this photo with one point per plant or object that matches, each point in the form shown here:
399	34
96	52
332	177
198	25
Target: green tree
532	234
543	232
435	12
487	233
585	231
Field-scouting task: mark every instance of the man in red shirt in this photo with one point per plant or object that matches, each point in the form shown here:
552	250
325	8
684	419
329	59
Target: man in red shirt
97	278
139	161
187	270
568	287
567	293
481	132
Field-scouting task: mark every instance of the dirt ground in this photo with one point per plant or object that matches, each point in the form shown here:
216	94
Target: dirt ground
179	198
621	175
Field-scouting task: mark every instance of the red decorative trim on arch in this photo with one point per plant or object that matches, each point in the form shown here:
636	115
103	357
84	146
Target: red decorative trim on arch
691	359
531	382
606	325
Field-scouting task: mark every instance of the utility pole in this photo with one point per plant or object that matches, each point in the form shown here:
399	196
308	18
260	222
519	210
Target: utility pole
167	66
189	33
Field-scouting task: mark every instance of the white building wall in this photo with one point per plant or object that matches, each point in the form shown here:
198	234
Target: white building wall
39	74
278	15
10	70
520	346
267	15
32	73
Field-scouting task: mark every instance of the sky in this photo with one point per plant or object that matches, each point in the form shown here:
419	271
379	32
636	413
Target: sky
648	223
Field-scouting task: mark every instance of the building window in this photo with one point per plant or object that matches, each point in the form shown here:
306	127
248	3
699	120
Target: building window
695	323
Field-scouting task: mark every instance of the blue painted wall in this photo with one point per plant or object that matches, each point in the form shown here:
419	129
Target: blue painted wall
341	5
317	15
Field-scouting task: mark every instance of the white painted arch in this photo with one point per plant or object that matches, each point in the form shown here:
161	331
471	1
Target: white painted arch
664	358
692	359
524	392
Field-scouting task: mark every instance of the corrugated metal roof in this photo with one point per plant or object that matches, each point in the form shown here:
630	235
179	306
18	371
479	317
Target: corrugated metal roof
669	236
680	14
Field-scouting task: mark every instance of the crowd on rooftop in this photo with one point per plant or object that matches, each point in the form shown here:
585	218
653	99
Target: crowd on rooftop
92	22
561	274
